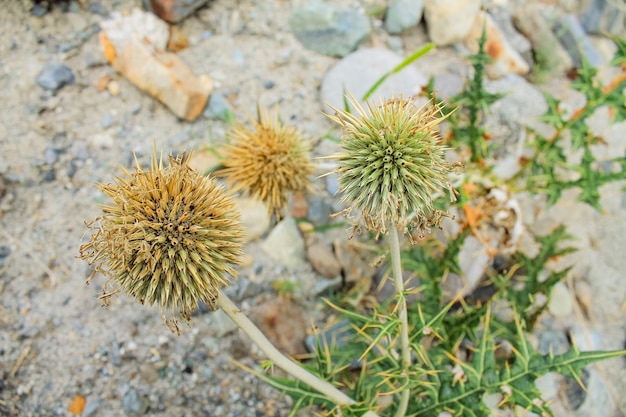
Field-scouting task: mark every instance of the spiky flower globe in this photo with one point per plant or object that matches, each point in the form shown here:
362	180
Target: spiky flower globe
393	163
169	237
268	160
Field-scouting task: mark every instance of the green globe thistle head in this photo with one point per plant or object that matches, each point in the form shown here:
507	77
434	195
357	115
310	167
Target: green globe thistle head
169	237
268	160
393	163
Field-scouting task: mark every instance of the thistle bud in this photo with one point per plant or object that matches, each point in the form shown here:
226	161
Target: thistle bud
169	237
393	163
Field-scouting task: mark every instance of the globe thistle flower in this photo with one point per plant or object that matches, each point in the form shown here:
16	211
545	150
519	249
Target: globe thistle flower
169	237
267	160
393	164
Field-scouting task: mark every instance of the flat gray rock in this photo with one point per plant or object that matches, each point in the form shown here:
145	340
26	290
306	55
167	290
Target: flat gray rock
358	72
327	29
403	14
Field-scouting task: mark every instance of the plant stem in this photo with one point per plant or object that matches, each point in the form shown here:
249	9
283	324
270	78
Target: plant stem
279	359
396	268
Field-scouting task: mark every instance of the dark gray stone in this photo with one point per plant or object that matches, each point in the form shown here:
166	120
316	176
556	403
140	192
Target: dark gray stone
39	10
54	76
327	29
98	8
572	36
574	393
403	14
48	175
604	16
338	335
5	251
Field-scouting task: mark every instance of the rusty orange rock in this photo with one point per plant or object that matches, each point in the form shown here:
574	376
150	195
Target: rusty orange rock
161	74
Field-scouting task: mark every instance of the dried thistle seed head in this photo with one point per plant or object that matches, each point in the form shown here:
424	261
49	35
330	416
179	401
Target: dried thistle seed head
267	160
393	163
169	237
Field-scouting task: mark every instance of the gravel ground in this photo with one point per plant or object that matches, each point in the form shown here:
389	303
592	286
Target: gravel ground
56	342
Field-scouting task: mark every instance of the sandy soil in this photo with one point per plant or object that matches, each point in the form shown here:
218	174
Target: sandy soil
56	342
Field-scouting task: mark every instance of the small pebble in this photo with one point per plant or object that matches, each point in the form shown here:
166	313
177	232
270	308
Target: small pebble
107	121
55	76
48	175
114	88
5	251
38	10
50	155
268	84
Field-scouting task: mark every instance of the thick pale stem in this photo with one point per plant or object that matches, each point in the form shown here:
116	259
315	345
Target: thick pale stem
279	359
396	268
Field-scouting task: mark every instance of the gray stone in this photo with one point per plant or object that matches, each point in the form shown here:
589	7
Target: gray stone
338	335
332	184
552	341
449	21
549	55
50	155
92	407
602	16
173	11
55	76
218	108
403	14
358	72
319	211
5	251
133	403
324	286
221	324
586	339
285	244
572	36
327	29
548	384
508	117
448	85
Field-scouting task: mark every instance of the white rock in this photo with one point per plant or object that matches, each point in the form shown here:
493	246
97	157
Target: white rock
473	260
254	217
285	244
560	304
120	28
449	21
357	73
